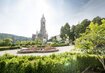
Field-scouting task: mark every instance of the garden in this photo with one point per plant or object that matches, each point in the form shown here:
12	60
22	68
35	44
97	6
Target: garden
88	56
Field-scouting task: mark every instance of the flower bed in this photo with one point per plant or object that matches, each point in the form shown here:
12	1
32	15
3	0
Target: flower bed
38	50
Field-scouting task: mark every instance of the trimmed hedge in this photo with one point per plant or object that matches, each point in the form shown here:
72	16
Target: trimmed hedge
9	48
62	63
58	44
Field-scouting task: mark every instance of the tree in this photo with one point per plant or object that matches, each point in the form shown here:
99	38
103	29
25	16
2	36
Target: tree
93	40
1	43
8	41
97	20
38	42
62	34
72	34
65	31
81	27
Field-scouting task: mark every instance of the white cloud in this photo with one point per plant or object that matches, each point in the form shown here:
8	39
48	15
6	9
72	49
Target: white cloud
23	16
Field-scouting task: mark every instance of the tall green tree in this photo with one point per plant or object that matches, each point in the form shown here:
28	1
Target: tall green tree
62	34
72	34
81	27
65	32
94	36
97	20
93	40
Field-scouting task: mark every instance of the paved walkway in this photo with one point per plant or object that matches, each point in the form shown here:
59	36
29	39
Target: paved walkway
61	50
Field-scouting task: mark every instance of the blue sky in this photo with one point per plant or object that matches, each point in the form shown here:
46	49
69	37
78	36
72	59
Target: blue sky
22	17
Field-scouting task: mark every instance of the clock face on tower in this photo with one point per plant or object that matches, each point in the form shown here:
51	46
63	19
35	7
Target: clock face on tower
43	19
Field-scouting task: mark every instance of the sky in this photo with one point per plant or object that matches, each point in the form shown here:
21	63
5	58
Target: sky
22	17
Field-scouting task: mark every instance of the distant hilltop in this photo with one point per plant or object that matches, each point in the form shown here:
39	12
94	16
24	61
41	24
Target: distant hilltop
14	37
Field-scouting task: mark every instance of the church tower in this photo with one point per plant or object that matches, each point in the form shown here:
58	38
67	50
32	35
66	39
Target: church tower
43	34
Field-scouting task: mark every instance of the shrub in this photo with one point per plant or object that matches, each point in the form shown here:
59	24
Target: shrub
58	44
61	63
2	66
9	47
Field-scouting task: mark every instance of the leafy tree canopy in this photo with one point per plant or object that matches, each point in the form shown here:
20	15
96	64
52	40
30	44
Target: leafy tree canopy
93	38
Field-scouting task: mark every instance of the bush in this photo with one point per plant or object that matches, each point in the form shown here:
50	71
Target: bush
2	66
61	63
9	47
58	44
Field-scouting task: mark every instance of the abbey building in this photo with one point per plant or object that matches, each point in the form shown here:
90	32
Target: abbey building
43	33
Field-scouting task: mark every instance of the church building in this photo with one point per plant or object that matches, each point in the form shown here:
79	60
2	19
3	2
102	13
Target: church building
43	33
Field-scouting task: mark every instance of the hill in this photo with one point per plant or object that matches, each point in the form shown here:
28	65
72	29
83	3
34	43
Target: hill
14	37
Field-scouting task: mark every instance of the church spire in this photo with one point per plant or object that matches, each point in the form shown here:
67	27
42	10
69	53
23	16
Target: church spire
43	16
43	28
43	33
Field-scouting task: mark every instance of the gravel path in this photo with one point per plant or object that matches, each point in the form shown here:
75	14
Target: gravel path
61	50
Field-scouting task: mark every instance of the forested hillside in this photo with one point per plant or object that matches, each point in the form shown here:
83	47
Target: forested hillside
14	37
